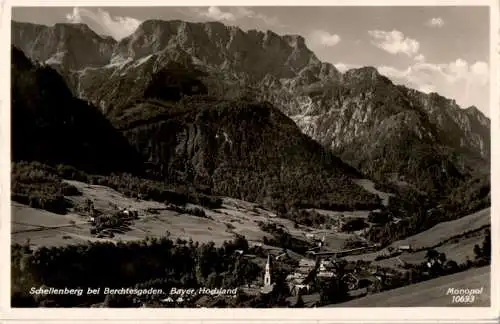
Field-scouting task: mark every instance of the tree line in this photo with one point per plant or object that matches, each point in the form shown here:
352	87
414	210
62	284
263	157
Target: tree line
105	264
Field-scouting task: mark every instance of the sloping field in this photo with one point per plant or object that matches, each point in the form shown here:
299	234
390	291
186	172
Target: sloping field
235	216
25	217
458	252
56	237
104	197
431	293
336	241
445	230
368	185
42	227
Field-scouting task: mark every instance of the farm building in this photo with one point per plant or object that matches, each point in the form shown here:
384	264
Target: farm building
404	248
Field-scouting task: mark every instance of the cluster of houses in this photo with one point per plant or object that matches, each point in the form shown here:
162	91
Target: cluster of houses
307	270
100	225
128	213
298	281
123	213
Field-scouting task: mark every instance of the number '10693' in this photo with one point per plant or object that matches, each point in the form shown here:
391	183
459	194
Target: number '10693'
463	299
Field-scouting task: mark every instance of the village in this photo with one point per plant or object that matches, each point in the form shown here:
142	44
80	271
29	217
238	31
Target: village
336	250
319	264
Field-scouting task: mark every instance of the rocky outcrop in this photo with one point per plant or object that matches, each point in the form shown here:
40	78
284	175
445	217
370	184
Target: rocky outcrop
378	127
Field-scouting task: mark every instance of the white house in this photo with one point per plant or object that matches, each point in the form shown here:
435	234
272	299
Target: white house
404	247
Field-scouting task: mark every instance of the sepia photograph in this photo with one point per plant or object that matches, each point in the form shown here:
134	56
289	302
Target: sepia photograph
250	157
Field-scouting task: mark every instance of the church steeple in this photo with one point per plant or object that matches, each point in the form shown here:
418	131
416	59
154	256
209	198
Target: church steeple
267	275
268	286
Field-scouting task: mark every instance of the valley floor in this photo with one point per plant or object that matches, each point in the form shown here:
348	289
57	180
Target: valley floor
43	228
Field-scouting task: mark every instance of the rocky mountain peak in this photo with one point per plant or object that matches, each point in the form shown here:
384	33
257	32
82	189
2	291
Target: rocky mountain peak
150	25
78	27
218	46
296	41
475	113
67	46
344	112
367	73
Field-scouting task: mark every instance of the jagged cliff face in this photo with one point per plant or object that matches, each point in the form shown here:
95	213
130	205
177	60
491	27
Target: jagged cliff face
241	59
387	131
336	113
66	46
219	47
364	117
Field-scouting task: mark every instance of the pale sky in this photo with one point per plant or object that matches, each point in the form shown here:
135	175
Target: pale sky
440	49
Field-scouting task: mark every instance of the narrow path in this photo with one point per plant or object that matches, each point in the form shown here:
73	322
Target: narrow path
42	228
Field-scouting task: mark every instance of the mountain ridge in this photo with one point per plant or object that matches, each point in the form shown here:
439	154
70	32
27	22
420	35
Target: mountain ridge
298	39
237	148
342	111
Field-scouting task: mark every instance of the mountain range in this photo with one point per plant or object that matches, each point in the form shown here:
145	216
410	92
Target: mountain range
237	148
270	90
